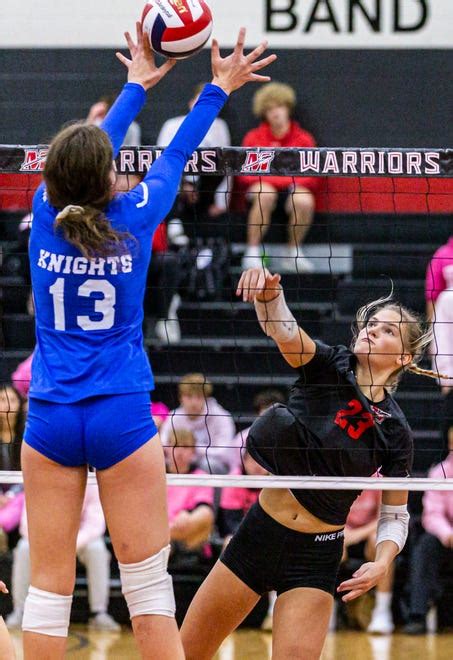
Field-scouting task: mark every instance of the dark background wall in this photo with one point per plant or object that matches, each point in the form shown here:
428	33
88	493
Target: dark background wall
398	98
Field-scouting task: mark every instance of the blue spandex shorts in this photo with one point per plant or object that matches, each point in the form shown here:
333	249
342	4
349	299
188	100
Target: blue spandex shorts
99	431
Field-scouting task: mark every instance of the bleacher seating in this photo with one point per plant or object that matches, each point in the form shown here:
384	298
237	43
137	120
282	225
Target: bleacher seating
223	340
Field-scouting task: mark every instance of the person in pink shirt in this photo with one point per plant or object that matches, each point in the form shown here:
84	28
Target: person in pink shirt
22	376
11	505
190	508
439	276
235	502
212	426
433	548
159	412
91	551
439	308
439	302
360	542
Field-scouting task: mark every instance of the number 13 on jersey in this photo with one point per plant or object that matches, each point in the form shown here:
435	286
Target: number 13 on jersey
104	306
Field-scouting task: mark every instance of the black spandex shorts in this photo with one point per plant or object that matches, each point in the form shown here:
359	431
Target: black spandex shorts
268	556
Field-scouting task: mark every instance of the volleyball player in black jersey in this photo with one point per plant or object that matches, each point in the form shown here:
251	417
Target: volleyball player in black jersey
340	421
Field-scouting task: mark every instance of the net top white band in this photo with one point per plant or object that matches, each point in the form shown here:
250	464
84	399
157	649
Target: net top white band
271	481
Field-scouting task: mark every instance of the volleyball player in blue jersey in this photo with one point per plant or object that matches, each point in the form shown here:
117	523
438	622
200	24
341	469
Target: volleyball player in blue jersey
89	394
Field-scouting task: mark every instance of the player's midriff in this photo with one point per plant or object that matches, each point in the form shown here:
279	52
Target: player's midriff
280	504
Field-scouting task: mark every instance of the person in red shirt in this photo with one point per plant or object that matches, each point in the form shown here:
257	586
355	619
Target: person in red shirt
274	104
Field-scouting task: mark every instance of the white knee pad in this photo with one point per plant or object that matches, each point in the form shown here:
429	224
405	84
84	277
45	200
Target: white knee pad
46	613
147	586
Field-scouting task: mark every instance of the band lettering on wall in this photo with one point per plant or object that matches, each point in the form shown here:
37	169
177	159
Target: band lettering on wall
285	23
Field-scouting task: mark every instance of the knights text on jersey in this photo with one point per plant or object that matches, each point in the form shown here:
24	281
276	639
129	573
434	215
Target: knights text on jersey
89	313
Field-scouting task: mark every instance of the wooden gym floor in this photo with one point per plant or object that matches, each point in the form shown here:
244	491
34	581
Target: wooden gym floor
254	645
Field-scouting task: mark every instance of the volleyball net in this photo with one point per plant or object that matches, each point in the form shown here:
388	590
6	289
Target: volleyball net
379	217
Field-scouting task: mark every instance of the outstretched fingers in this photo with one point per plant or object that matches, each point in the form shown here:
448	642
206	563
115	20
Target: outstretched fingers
252	286
123	60
166	67
257	52
139	31
256	66
130	43
240	43
215	50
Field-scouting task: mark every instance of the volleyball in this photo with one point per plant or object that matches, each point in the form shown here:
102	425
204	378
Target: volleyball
177	28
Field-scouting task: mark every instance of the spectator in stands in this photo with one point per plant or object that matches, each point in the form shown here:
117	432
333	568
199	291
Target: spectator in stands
211	425
439	309
433	548
159	412
91	551
161	300
21	377
439	276
164	274
274	105
11	505
190	508
261	402
360	543
10	410
6	646
235	502
206	195
98	112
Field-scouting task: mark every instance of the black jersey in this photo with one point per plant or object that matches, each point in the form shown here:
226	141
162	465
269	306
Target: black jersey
330	429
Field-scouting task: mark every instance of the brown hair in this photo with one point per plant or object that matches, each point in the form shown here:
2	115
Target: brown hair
416	337
273	93
195	383
267	398
78	182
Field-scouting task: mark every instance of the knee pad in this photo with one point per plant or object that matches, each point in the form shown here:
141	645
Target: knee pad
147	586
46	613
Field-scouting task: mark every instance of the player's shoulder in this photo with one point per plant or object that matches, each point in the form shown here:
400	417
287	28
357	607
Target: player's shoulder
398	417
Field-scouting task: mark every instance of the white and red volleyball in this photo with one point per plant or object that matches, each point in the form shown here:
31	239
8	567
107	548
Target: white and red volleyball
177	28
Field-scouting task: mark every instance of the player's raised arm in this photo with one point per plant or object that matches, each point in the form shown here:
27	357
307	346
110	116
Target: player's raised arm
142	74
260	287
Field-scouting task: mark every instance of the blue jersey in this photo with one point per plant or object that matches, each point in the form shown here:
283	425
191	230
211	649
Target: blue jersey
89	312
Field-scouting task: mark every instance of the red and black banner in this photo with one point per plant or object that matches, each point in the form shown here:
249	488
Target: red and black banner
261	161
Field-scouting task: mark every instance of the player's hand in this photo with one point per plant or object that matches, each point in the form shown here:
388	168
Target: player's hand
141	66
237	69
364	579
259	283
3	588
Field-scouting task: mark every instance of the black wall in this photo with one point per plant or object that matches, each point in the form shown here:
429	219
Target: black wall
398	98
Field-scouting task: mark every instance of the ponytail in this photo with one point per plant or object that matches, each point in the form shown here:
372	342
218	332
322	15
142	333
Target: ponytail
426	372
90	231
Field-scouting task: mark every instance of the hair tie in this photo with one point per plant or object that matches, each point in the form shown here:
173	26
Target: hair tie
71	208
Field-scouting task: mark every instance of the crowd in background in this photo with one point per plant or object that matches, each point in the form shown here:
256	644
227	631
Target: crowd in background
200	436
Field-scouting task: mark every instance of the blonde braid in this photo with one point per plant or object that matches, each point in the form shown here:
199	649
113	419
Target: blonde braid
427	372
